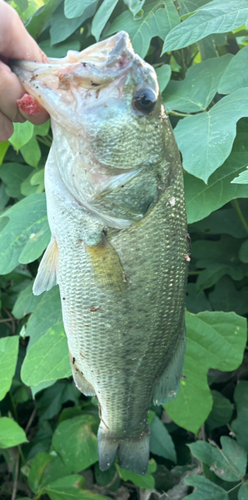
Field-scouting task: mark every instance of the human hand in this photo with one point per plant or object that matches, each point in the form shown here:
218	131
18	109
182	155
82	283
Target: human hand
15	43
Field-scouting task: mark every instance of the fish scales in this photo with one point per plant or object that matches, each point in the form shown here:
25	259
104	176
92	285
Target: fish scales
119	246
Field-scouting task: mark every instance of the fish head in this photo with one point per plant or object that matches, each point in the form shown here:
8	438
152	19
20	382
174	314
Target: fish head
108	97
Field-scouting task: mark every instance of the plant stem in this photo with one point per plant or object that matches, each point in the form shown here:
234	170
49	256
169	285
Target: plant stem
240	214
237	485
175	113
13	406
15	478
21	454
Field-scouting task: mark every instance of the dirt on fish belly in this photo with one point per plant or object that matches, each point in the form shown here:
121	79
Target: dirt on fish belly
119	249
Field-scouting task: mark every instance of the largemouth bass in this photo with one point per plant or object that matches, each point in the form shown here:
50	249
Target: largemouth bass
119	247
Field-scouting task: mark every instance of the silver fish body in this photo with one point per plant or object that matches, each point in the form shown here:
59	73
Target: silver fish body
119	246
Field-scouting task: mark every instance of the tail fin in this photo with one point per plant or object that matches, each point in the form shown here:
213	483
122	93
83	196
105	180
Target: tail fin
133	454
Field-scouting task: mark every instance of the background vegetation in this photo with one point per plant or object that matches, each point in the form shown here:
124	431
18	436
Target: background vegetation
199	441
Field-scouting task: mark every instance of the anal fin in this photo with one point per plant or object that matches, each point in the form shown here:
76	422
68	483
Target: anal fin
80	381
167	386
47	272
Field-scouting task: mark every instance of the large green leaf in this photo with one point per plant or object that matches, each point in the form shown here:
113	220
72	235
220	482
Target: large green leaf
46	468
102	16
221	413
146	481
218	16
242	178
22	134
38	20
135	6
13	174
26	302
31	152
228	463
3	150
74	8
234	76
71	488
225	221
239	425
205	489
205	140
27	227
190	97
76	443
243	491
8	359
202	199
46	313
61	27
163	74
48	358
214	340
188	6
225	297
161	443
158	19
11	434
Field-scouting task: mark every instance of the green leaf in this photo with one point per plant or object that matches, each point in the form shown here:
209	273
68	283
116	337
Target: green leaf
102	16
190	97
76	443
228	463
134	6
27	227
225	297
37	22
215	340
31	152
243	491
243	252
42	129
3	150
239	425
196	302
62	28
158	19
161	443
71	488
221	412
163	74
74	8
202	199
242	178
34	183
48	358
188	6
46	314
205	140
13	174
22	134
11	434
26	302
45	469
50	402
8	359
218	16
225	221
146	481
234	76
61	49
205	489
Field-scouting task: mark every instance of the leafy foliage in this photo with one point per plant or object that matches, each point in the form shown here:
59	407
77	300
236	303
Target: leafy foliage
199	441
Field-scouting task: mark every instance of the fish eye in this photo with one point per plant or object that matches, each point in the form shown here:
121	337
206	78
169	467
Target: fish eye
145	100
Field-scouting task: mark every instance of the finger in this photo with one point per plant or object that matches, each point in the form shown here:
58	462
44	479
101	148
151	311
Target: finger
11	89
15	41
6	128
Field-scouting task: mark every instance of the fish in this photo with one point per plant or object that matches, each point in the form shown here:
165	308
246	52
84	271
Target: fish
119	246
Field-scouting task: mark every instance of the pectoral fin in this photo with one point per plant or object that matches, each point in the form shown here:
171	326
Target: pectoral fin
47	272
168	384
106	265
